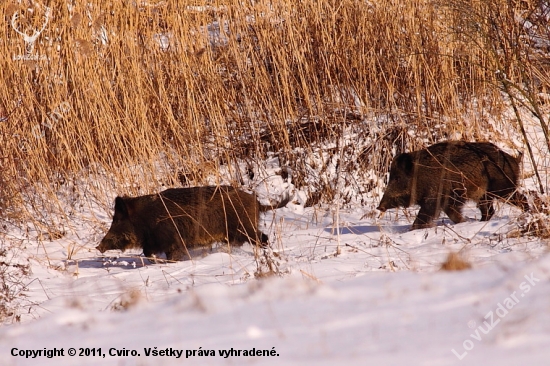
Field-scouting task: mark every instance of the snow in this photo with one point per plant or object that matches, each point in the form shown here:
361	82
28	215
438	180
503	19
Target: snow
382	318
381	300
349	286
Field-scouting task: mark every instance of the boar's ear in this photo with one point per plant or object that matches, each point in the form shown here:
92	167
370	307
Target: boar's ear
121	210
405	163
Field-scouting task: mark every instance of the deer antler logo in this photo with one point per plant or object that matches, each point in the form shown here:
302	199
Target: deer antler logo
30	39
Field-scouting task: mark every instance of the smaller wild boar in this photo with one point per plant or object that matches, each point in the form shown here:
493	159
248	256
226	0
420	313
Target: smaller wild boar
443	176
179	219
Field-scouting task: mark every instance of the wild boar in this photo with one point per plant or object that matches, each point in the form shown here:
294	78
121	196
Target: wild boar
179	219
444	176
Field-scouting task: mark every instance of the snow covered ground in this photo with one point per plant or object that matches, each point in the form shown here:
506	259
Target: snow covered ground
365	291
381	300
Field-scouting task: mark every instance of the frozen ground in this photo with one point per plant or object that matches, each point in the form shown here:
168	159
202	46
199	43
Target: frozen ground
382	300
361	290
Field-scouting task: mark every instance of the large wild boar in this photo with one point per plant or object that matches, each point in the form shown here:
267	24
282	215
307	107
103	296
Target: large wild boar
180	219
443	176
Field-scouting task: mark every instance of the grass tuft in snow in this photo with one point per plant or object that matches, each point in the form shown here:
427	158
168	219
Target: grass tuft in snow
455	262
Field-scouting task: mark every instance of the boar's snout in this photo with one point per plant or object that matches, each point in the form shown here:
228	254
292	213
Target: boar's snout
381	208
102	247
107	243
387	202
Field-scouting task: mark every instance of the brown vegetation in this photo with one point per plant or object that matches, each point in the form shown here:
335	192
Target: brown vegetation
455	262
109	86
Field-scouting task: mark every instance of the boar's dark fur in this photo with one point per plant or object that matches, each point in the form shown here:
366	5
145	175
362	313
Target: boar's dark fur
443	176
177	220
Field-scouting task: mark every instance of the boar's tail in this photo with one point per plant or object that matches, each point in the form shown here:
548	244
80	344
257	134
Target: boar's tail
282	203
519	158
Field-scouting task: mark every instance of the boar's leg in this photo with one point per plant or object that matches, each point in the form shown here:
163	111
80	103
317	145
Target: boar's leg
265	240
454	213
452	206
175	255
424	219
485	205
259	239
148	253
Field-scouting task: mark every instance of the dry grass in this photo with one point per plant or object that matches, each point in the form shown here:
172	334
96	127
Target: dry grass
455	262
14	274
148	94
129	97
127	300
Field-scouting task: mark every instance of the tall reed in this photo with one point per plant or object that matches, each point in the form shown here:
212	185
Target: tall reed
147	93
